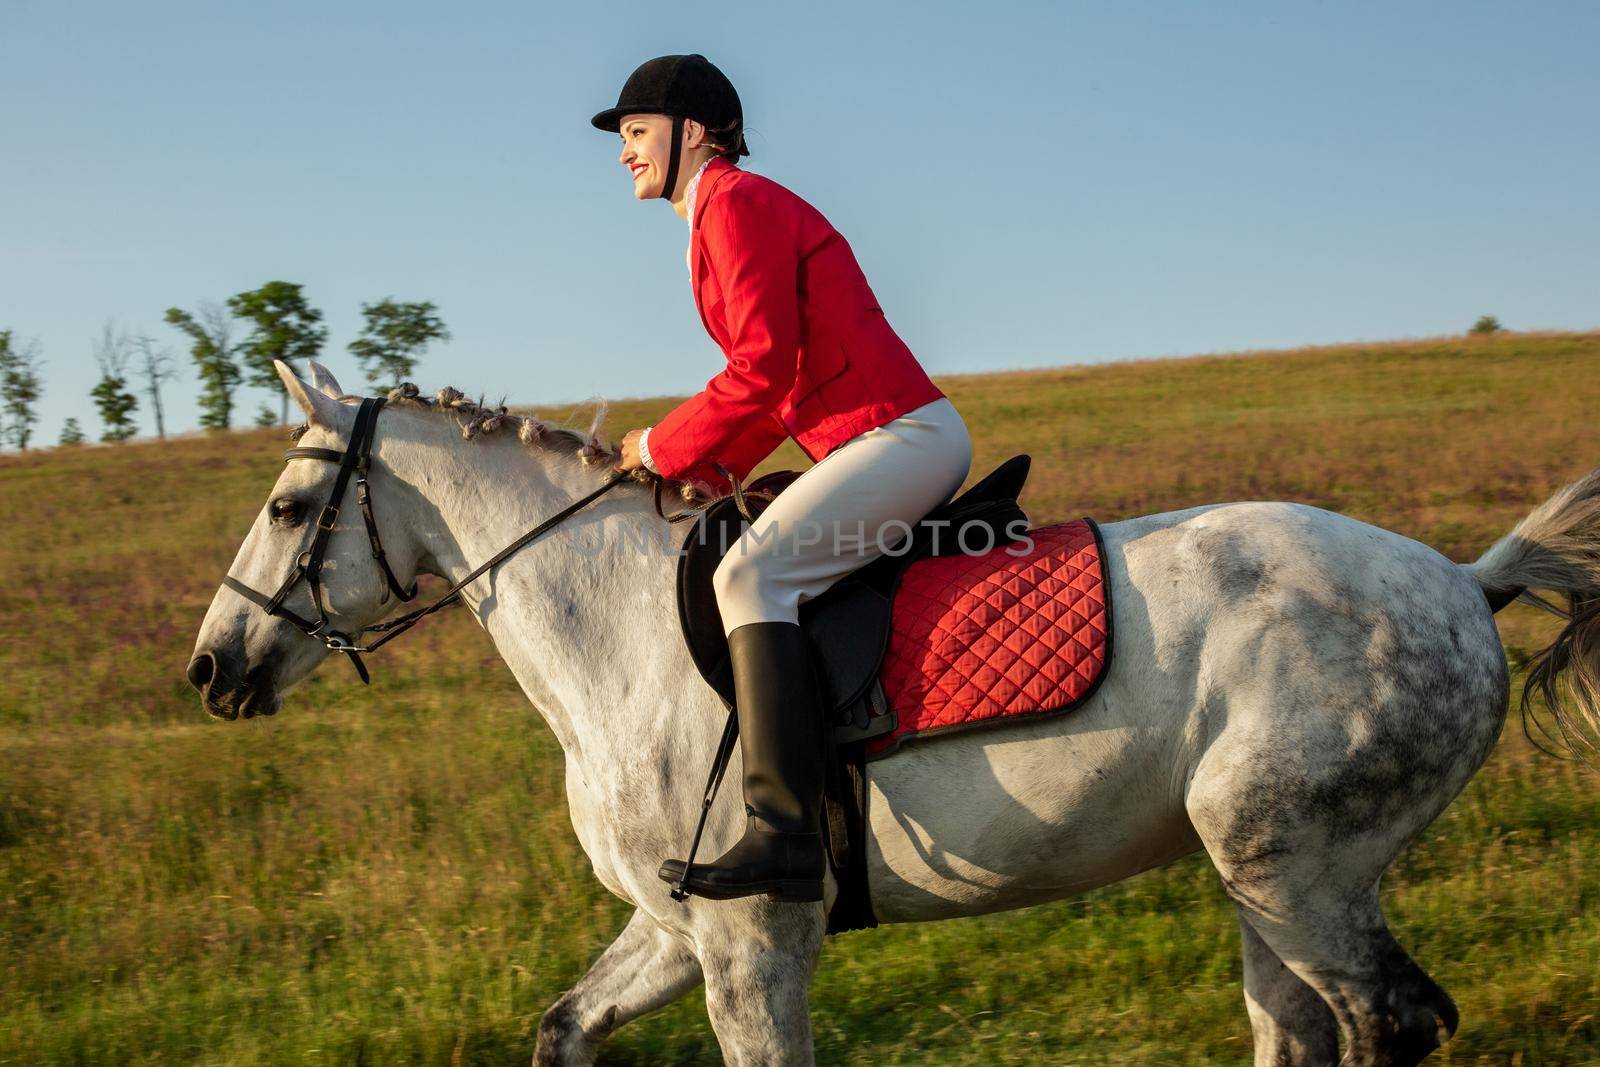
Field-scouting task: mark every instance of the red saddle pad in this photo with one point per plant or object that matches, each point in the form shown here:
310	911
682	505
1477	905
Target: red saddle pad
1007	634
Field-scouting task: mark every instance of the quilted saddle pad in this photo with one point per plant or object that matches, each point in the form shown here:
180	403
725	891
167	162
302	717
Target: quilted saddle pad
987	638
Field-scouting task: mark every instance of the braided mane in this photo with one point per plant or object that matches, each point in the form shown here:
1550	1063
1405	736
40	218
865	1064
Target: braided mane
478	419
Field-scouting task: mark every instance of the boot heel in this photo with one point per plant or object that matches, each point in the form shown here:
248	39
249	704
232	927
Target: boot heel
797	892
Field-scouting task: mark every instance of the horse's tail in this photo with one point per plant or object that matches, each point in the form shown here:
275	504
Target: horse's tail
1557	547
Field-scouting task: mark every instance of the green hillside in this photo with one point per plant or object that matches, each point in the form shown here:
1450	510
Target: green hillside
387	874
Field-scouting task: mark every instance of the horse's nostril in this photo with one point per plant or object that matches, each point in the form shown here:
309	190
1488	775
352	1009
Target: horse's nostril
201	670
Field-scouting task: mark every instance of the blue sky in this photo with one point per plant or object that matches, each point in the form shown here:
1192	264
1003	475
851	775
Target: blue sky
1025	184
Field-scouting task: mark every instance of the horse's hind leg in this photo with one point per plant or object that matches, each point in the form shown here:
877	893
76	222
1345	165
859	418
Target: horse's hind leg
1292	1024
1390	1012
1311	893
645	968
1339	734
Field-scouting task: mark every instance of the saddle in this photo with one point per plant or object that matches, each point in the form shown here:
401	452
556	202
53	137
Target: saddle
849	624
970	640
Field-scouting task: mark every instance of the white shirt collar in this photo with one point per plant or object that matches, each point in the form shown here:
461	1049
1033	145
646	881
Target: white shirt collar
694	184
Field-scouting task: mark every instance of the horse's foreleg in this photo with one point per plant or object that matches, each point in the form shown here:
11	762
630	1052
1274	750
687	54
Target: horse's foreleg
1292	1025
758	964
645	968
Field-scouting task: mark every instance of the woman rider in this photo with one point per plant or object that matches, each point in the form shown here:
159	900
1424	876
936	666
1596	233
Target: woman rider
809	356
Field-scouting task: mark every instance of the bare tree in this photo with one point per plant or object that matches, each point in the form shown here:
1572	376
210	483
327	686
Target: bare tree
111	349
156	366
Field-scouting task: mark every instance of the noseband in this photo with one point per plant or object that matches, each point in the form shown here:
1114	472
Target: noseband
356	460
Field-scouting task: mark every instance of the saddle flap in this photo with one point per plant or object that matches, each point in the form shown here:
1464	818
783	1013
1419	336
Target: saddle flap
849	630
708	539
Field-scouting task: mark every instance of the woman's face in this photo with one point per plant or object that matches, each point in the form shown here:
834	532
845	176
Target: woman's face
647	149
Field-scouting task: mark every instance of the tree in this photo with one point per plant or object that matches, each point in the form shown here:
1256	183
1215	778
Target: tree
156	366
286	328
265	417
71	433
1486	324
211	348
394	338
112	350
20	386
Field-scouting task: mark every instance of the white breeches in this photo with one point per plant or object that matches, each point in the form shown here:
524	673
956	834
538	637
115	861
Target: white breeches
842	513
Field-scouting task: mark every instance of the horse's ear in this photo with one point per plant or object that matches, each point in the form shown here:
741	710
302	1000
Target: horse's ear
323	379
320	409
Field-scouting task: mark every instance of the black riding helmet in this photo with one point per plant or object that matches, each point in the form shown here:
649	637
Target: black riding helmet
684	87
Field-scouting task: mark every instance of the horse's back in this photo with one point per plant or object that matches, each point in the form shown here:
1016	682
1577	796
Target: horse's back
1249	556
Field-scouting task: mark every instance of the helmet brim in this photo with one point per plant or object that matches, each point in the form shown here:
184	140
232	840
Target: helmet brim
610	120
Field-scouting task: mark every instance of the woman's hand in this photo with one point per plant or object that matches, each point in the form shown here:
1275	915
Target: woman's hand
630	453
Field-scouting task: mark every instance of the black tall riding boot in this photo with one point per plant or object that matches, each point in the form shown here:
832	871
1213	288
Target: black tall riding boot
781	741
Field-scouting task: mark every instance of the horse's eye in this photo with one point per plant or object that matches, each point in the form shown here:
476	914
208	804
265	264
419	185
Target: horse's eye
288	512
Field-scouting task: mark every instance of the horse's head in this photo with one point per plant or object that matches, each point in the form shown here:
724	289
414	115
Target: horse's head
245	657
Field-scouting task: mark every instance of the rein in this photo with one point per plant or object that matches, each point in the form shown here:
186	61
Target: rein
356	460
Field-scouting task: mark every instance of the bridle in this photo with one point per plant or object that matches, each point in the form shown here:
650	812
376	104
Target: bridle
356	460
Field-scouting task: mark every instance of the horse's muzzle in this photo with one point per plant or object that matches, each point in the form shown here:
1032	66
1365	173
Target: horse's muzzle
225	698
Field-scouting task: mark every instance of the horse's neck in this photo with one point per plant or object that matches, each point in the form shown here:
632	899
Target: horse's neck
585	616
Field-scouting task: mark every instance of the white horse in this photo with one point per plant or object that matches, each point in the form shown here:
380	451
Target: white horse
1293	691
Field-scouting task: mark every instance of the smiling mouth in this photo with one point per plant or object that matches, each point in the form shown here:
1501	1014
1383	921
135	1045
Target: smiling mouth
639	170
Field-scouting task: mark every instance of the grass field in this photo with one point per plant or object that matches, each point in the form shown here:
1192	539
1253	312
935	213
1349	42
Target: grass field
387	875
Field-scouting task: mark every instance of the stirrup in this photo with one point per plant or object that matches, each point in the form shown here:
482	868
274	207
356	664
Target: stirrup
719	767
779	880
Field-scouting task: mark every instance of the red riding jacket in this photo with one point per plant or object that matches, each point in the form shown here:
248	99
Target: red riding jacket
810	354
